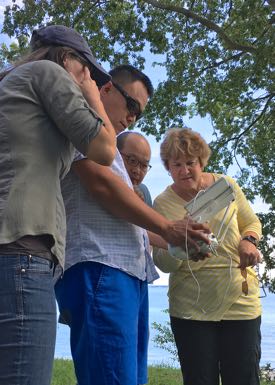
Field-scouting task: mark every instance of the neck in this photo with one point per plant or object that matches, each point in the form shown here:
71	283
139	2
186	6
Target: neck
184	194
205	181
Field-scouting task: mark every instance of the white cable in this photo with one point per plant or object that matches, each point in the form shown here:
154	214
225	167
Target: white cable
219	241
227	227
188	260
226	290
223	219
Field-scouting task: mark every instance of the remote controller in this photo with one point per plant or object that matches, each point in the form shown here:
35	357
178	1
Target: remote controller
202	208
180	253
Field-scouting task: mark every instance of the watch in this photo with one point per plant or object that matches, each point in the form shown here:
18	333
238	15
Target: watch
251	239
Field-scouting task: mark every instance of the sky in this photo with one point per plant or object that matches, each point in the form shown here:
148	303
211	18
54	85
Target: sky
157	178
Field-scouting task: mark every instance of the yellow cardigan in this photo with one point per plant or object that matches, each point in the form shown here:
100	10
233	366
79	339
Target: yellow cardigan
211	290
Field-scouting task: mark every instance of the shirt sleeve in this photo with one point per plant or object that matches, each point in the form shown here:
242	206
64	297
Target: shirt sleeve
64	103
247	219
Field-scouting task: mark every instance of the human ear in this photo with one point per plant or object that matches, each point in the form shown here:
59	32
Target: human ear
106	88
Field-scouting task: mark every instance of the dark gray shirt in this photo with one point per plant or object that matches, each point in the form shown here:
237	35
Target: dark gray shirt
42	116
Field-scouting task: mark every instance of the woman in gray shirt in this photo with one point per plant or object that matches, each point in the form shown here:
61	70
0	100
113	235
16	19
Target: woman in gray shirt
49	104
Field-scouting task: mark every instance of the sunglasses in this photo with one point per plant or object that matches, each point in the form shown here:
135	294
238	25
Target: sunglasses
133	105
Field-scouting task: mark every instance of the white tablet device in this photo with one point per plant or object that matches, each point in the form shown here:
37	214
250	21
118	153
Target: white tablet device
210	201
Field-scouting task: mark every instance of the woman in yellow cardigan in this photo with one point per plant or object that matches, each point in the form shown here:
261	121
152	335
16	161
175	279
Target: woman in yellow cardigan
214	303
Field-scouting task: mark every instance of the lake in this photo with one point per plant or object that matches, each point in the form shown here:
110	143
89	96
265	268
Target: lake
159	302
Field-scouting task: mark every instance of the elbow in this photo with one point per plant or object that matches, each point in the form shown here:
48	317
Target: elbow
105	158
102	151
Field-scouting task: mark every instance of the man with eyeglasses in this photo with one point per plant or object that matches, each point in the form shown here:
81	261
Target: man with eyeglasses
136	153
103	293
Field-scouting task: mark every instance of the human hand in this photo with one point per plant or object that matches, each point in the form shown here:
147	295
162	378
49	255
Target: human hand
249	254
188	231
87	85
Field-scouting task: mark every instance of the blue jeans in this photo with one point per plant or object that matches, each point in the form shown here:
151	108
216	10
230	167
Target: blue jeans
107	311
27	320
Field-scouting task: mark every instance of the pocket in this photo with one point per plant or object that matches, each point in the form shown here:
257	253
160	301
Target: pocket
97	273
39	265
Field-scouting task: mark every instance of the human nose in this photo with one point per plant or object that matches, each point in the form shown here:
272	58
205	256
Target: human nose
185	168
137	168
131	118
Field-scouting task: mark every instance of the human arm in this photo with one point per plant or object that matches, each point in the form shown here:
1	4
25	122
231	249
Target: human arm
144	194
61	100
122	202
102	148
157	241
249	225
162	259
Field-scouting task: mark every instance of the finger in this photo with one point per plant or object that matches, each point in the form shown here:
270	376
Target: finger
87	73
200	226
243	263
200	235
193	244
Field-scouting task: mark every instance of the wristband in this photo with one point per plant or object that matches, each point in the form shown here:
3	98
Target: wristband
251	239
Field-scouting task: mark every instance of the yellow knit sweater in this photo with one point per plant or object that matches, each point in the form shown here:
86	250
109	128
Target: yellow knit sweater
211	290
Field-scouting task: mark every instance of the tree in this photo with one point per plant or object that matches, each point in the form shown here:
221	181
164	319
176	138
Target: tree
220	52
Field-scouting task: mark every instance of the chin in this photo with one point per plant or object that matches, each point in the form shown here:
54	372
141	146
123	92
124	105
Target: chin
119	130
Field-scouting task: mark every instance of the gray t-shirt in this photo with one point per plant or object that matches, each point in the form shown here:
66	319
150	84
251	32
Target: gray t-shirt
42	116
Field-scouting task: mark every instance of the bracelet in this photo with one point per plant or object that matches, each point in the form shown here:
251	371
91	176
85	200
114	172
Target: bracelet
251	239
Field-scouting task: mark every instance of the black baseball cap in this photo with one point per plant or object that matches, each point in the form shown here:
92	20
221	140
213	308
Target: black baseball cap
68	37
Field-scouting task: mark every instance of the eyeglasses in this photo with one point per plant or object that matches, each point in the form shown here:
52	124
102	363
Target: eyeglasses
133	105
190	164
133	161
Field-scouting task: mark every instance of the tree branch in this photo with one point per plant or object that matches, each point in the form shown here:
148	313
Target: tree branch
217	64
205	22
238	137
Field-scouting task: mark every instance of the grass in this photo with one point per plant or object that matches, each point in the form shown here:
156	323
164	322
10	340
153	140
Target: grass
63	374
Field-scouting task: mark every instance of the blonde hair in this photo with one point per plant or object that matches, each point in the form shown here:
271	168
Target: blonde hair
184	141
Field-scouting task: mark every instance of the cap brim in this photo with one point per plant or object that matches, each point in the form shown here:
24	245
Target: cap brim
100	76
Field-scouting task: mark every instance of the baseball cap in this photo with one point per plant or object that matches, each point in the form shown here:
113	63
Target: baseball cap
68	37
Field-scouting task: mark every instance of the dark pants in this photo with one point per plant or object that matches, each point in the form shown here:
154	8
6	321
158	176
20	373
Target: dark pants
229	349
27	320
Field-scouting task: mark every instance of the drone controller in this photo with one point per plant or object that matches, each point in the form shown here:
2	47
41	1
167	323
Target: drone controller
201	209
205	248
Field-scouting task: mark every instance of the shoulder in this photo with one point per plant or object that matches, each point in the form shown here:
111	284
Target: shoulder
39	66
164	199
164	194
40	73
146	193
48	69
144	189
228	178
119	169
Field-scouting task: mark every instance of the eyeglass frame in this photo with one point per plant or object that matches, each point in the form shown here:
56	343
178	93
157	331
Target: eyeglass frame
131	103
143	167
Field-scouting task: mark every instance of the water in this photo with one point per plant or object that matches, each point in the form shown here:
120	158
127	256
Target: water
158	302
